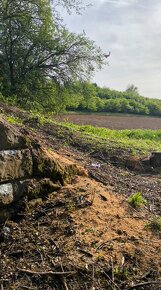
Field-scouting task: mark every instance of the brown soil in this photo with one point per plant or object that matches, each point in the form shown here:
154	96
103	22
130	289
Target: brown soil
114	122
86	235
100	234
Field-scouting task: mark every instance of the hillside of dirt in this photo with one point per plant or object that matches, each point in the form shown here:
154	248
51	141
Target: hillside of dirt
85	235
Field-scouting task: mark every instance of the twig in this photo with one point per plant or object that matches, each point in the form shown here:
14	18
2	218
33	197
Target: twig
112	282
135	210
103	244
97	178
93	196
1	283
93	275
65	283
104	198
46	273
113	278
143	284
146	274
27	287
63	278
85	252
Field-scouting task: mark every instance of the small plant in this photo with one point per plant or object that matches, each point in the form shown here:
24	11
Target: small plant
154	224
89	230
120	273
13	120
100	257
50	150
136	200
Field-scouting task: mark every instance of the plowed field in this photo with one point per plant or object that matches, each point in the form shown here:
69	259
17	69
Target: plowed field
116	122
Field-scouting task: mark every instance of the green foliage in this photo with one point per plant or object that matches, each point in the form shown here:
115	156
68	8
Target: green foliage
136	200
13	120
39	56
100	257
89	230
47	68
96	99
132	89
121	273
88	91
149	140
155	224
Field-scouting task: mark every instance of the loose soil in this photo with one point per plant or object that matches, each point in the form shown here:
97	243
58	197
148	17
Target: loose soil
86	235
116	122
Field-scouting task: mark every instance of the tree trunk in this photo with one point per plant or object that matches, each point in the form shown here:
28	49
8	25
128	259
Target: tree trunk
10	60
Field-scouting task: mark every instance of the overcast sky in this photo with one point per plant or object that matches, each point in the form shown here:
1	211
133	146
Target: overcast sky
131	30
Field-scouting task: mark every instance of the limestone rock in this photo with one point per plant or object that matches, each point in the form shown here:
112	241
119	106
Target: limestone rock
15	164
43	165
34	188
6	194
28	172
48	165
10	137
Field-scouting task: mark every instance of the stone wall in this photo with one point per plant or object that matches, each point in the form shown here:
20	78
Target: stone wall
26	171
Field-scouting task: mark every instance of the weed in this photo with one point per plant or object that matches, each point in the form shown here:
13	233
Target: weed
94	245
127	139
100	257
121	273
136	200
89	230
13	120
50	150
154	224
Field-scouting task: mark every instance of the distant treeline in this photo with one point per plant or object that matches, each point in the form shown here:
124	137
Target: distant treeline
92	98
86	97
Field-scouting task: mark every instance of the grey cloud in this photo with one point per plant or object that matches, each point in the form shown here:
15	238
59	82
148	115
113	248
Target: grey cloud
131	30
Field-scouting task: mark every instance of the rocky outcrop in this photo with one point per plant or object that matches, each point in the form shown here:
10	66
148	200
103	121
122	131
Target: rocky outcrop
10	138
15	164
27	171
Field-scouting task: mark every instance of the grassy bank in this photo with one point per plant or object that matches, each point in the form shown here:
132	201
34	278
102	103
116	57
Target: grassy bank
136	142
142	141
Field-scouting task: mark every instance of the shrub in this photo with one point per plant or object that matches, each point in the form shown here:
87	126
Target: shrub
136	200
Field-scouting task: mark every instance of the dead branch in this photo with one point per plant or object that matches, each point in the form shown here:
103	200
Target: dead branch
103	244
144	284
27	287
97	178
113	284
85	252
46	273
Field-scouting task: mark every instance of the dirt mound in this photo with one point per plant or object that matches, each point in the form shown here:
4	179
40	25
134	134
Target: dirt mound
78	238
